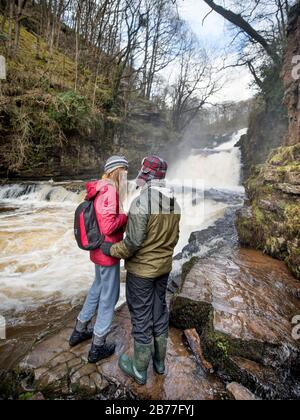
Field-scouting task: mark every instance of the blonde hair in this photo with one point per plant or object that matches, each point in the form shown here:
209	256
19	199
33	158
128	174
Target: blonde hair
114	176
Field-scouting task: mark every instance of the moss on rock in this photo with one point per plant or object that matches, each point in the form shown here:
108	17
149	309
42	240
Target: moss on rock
272	220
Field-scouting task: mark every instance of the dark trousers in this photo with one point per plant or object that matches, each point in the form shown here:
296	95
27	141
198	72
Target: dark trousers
146	299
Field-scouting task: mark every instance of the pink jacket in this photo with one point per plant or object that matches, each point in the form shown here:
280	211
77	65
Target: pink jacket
111	222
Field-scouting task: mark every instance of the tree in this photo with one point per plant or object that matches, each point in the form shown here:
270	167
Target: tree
259	37
194	85
159	40
238	20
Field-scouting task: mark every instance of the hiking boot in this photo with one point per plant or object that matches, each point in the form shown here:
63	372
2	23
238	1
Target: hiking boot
137	367
160	352
98	353
81	335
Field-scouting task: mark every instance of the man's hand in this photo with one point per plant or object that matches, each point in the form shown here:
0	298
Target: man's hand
106	247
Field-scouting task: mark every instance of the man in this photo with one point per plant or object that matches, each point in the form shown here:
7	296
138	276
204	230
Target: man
151	236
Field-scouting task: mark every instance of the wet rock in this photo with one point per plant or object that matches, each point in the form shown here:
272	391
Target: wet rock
263	380
267	205
4	209
37	397
62	372
271	175
87	380
194	341
219	238
293	178
242	306
278	180
224	230
270	220
289	188
223	196
240	393
267	129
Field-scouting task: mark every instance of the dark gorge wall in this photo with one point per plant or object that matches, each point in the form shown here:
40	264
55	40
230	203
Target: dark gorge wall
266	131
33	147
291	77
270	219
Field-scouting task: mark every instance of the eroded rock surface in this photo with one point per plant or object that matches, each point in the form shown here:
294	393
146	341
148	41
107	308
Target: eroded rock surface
240	393
58	371
270	220
242	306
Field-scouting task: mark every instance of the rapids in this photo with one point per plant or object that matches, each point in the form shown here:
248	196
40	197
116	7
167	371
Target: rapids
40	263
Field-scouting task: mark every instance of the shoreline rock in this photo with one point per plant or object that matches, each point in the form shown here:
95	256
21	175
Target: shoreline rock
57	371
270	218
275	229
242	307
240	393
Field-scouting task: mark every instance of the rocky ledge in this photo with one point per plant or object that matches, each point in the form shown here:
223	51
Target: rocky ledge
270	219
56	371
242	306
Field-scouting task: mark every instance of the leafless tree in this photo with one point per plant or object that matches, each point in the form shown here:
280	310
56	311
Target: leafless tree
194	86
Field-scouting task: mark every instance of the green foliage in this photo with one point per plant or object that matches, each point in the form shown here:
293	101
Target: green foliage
3	37
272	88
70	111
273	224
286	157
26	396
223	346
40	123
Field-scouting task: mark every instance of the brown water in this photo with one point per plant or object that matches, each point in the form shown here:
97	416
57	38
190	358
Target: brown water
44	276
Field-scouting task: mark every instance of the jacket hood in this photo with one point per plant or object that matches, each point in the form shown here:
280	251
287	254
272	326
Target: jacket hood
94	187
161	186
160	195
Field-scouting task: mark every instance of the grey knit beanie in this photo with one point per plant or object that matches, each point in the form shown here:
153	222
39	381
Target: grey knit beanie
115	162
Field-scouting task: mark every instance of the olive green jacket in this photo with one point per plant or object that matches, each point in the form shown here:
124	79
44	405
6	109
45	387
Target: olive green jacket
152	232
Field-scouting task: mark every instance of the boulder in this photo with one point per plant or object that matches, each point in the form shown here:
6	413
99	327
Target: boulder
240	393
242	306
194	342
270	219
289	189
57	371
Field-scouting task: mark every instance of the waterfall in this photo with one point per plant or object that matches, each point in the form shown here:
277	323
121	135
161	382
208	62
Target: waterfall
217	168
39	260
37	193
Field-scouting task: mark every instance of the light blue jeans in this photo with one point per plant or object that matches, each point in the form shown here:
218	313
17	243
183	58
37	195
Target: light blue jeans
102	297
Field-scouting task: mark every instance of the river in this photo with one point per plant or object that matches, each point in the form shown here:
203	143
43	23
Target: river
44	276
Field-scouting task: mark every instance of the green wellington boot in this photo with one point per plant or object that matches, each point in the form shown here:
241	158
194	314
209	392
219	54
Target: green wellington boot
160	352
138	366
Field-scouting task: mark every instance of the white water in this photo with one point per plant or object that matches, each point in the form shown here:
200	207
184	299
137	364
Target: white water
40	261
218	168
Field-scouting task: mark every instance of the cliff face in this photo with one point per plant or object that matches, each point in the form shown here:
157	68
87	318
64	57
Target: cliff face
266	131
270	219
291	77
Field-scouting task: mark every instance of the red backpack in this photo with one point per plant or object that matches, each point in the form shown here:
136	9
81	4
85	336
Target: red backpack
86	229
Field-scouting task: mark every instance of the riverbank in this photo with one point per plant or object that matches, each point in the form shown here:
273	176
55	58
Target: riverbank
45	277
58	372
231	322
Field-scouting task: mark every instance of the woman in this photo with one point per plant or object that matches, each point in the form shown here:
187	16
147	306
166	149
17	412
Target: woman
104	293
